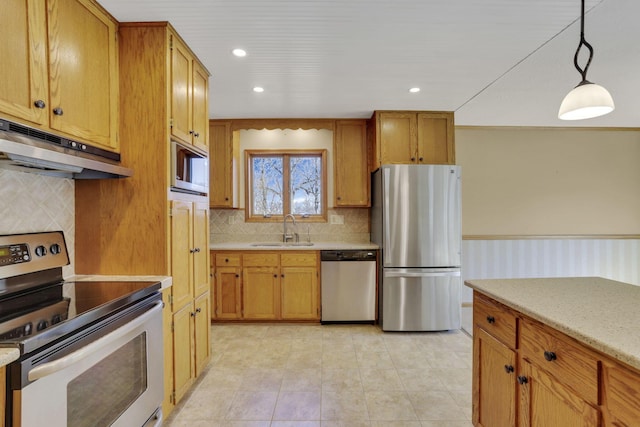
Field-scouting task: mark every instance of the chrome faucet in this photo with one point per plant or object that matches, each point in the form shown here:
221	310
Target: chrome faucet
286	237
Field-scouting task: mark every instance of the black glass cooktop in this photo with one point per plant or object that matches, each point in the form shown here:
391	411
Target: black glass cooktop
37	318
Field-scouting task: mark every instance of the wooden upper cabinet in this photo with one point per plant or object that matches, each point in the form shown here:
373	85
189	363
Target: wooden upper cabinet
412	137
223	163
189	96
84	71
76	91
23	70
351	169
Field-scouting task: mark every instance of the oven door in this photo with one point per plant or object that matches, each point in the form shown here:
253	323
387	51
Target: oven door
115	380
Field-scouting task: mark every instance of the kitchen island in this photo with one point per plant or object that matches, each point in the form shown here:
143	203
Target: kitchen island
556	351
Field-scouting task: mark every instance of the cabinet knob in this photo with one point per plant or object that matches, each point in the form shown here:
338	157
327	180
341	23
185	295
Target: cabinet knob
275	275
226	199
550	356
237	275
192	314
58	111
39	104
226	260
198	310
491	319
420	158
339	198
508	368
191	132
282	275
192	250
197	249
522	379
413	159
197	135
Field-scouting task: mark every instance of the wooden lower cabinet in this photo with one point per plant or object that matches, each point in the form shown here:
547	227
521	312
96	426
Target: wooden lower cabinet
281	285
494	382
556	380
545	402
167	336
201	333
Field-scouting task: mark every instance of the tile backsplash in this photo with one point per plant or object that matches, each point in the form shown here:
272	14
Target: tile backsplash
227	225
31	203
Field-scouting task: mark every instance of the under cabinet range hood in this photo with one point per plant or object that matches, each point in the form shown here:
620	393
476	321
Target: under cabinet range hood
26	149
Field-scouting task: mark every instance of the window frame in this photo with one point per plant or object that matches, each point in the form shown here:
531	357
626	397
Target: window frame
286	154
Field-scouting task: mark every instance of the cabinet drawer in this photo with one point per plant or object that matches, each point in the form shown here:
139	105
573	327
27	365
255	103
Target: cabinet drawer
566	360
307	259
260	260
227	260
621	395
494	318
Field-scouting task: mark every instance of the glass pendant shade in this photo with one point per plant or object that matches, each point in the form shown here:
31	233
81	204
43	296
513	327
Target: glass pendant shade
585	101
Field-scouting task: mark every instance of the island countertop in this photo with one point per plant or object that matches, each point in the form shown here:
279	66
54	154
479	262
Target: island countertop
601	313
268	246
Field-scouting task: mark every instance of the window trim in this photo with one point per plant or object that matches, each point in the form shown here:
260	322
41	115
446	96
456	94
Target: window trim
248	180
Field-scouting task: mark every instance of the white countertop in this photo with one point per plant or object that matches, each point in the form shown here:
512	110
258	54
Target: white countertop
8	355
165	281
317	246
601	313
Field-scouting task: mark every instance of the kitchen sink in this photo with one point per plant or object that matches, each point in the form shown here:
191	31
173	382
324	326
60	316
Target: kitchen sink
280	244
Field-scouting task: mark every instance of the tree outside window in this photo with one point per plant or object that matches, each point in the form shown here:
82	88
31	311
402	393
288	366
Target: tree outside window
279	183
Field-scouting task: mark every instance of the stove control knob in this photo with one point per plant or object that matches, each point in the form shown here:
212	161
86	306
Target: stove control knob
42	325
56	319
54	249
27	329
41	250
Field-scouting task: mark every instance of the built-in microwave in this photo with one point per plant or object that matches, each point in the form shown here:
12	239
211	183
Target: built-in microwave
189	170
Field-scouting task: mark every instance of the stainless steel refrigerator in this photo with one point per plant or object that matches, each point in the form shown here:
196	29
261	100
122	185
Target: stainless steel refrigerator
416	221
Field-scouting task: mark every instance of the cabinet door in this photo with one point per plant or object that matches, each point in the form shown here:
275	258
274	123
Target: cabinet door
222	179
300	293
351	177
435	138
621	395
200	107
181	108
227	280
397	138
181	259
202	332
260	292
545	402
183	360
494	382
200	248
23	69
83	71
167	319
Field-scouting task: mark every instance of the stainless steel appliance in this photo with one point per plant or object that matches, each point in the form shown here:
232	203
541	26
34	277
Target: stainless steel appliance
189	170
32	150
348	286
415	219
90	352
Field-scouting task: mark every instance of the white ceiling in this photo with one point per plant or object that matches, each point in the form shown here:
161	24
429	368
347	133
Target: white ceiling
493	62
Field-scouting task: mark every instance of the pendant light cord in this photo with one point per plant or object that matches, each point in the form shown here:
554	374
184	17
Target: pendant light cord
585	43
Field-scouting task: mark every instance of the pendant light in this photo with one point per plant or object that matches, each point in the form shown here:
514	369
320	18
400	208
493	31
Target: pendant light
588	99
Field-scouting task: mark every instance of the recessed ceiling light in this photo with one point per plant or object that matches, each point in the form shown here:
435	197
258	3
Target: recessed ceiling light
239	52
414	90
258	89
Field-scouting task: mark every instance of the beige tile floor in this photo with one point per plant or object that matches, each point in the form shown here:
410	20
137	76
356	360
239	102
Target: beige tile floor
264	375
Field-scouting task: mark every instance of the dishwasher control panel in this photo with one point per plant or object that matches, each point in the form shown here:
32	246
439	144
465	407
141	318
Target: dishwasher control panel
348	255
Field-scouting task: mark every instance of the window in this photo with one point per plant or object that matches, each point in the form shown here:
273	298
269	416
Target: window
280	183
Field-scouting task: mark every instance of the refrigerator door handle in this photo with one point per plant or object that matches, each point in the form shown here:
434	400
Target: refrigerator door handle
421	274
385	216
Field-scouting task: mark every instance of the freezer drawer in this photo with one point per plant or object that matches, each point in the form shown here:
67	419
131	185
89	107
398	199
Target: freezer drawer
420	299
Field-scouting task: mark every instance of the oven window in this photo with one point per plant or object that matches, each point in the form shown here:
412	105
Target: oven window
102	393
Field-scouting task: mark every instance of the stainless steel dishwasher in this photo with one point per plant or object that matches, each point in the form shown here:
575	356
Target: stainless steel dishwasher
348	286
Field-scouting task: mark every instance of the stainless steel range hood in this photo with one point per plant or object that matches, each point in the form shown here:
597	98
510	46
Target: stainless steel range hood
30	150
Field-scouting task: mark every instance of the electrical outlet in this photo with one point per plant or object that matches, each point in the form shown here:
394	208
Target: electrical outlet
336	219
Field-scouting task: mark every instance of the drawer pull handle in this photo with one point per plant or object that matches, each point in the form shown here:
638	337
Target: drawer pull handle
550	356
508	368
226	260
522	379
491	319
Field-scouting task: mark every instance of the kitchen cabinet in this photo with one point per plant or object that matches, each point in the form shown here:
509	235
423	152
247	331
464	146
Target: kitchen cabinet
621	395
299	286
223	165
138	226
410	137
351	169
189	96
60	69
522	366
167	336
228	298
274	285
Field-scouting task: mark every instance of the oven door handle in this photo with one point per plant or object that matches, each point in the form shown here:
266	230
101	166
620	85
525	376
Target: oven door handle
49	368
